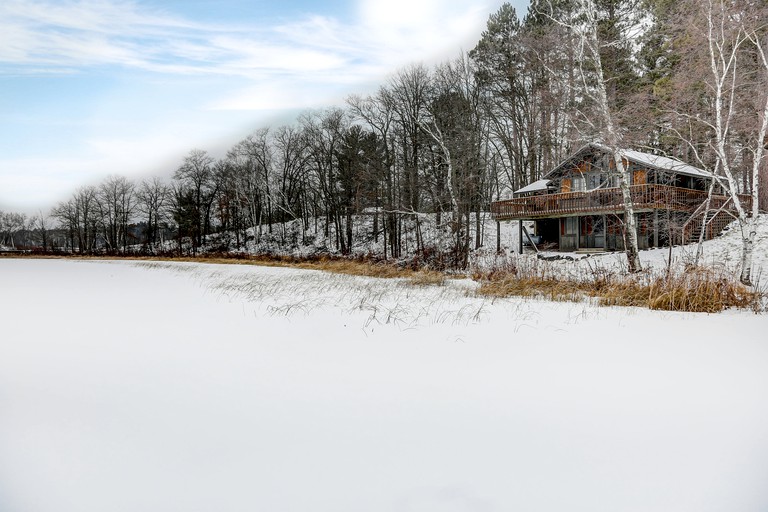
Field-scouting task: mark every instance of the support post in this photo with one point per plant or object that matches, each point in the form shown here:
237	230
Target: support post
498	236
605	232
530	240
520	234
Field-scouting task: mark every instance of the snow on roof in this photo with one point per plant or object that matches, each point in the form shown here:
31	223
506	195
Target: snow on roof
655	161
536	186
663	162
659	162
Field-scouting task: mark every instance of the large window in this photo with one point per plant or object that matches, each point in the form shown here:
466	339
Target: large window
578	183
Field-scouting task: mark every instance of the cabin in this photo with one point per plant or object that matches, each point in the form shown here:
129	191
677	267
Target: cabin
578	205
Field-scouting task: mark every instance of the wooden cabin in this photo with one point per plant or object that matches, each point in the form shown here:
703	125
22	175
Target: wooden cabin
578	205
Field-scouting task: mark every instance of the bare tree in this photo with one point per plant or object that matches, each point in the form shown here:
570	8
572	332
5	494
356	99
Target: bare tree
757	35
115	201
323	133
526	72
11	224
378	113
290	155
594	86
196	177
732	36
408	94
40	225
455	125
252	163
153	198
67	216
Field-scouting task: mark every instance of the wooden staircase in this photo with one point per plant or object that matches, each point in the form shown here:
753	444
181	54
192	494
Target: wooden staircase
719	215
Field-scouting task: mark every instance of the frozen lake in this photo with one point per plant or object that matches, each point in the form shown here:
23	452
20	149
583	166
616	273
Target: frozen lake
135	387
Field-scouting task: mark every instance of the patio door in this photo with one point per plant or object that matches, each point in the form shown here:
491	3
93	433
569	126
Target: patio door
569	232
592	232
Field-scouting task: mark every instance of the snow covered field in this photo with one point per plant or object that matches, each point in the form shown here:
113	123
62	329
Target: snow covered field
184	387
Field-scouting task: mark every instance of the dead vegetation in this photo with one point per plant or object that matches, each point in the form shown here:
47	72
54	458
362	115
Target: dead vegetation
368	267
696	289
427	278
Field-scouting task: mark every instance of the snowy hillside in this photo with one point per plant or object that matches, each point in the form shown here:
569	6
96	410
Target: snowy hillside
156	387
724	252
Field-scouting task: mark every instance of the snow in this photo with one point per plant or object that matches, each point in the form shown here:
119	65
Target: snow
536	186
664	162
660	162
158	387
723	252
655	161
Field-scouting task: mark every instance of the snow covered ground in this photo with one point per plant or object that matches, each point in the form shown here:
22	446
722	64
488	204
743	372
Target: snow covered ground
185	387
723	252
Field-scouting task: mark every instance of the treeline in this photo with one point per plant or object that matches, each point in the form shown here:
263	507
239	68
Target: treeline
440	144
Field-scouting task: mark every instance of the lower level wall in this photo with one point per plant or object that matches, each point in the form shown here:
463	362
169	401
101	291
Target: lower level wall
656	228
606	232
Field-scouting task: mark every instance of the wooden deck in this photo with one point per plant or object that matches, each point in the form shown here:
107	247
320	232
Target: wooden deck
608	200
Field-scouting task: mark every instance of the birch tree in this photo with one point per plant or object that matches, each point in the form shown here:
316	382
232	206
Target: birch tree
455	125
733	34
758	38
594	87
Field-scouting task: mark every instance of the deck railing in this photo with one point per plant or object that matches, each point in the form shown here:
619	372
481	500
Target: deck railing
644	197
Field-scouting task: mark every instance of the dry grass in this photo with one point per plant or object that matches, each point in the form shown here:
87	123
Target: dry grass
427	278
699	290
359	267
693	289
354	268
552	289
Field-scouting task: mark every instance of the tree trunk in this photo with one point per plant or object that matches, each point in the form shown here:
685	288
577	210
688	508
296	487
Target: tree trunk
612	139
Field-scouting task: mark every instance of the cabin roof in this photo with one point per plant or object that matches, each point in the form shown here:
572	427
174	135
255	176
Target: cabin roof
663	163
536	186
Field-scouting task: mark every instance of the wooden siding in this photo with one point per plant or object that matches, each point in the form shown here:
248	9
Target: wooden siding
608	200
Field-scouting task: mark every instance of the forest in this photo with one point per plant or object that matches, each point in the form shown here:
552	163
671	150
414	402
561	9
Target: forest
436	145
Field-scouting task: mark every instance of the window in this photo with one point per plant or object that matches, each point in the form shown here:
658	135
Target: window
593	181
569	226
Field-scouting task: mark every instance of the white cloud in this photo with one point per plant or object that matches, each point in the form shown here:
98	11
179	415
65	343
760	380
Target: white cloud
305	63
383	38
423	26
400	13
275	94
40	35
93	33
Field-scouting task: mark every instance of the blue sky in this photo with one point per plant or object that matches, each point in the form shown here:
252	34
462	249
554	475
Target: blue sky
90	88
